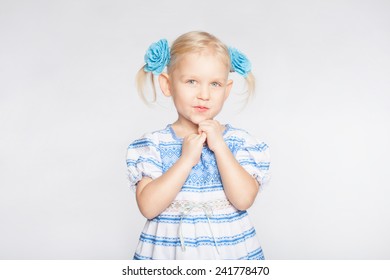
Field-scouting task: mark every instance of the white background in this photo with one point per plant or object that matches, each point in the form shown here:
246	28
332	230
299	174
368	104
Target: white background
69	108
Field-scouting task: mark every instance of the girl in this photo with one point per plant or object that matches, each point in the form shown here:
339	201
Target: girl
195	178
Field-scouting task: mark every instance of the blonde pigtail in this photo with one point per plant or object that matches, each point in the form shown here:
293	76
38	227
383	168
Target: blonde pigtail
242	66
249	92
251	84
141	82
156	59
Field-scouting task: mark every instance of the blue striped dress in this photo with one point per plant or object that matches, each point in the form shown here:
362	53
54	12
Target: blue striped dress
200	223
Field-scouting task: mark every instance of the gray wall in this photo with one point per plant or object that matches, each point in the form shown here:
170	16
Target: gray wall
68	110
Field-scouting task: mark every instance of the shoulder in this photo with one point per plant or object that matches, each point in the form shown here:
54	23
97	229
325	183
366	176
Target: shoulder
234	131
237	134
150	138
244	137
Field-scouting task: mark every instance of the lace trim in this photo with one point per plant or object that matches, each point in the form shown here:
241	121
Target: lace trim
182	205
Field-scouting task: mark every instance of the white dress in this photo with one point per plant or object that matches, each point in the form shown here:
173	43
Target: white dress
200	223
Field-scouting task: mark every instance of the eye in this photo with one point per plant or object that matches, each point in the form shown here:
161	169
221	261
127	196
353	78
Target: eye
191	82
215	84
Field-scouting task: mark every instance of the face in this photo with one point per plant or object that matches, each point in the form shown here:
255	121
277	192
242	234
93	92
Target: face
199	86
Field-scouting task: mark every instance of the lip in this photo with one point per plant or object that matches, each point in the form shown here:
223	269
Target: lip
200	108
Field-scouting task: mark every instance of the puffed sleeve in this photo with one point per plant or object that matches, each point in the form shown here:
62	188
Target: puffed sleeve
143	159
254	157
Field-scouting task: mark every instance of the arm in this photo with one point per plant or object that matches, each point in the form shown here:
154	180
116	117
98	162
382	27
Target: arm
154	196
240	187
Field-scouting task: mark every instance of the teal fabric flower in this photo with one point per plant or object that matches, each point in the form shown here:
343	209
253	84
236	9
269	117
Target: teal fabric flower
240	63
157	57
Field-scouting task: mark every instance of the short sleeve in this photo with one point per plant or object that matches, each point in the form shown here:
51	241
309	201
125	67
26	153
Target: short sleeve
143	159
254	157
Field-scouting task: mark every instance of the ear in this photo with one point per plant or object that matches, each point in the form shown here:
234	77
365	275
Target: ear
229	86
165	86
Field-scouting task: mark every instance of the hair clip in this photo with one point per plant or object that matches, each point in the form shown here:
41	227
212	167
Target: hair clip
239	62
157	57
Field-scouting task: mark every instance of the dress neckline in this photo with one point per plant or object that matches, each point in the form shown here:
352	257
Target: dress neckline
173	133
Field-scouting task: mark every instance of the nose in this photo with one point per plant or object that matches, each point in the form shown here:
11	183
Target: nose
204	93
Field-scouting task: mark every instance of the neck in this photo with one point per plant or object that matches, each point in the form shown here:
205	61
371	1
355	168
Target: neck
182	129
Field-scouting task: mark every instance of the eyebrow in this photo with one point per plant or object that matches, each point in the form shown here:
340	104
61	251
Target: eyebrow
187	76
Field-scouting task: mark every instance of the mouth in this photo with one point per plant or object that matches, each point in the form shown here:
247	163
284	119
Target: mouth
200	108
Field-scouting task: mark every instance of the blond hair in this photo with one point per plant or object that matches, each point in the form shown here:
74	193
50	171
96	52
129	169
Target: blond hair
191	42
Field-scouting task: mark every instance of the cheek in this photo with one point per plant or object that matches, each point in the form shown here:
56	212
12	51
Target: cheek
186	93
220	95
181	99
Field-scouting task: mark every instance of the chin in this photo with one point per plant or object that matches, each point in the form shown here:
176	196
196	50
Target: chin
197	121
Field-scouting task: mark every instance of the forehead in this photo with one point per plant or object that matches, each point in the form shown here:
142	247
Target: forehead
205	62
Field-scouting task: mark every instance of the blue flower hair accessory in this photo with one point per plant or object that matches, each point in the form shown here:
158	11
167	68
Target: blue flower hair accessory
240	63
157	57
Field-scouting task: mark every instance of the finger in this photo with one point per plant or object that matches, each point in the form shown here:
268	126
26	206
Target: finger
209	122
203	137
191	136
204	127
